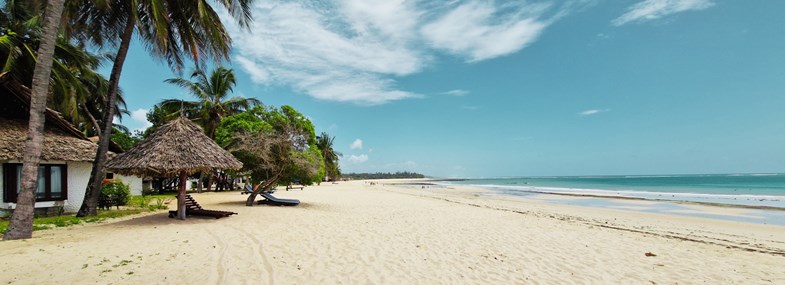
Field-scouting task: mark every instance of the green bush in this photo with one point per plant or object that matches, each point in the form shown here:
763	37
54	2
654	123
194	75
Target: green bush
115	193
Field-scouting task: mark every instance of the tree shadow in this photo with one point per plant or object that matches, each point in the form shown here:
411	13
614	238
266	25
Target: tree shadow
160	219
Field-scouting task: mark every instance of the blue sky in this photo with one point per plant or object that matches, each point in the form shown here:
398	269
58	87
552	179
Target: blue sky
516	88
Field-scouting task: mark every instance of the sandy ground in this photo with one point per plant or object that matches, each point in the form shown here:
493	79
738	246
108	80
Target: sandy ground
357	233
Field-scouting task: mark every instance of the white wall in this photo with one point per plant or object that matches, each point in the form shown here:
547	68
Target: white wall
134	182
78	174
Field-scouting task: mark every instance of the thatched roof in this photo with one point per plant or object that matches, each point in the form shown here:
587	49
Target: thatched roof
16	95
58	145
178	145
113	146
61	140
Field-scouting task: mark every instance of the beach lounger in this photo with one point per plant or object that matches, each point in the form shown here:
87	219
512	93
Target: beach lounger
192	208
248	189
269	199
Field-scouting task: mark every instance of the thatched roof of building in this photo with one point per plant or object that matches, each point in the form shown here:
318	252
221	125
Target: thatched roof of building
113	146
176	146
62	141
58	145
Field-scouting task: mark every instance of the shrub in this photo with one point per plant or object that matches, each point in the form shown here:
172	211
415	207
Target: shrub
115	193
160	204
142	202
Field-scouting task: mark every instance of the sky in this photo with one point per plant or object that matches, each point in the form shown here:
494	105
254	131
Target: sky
515	88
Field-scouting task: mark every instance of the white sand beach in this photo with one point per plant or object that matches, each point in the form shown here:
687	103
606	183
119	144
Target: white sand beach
357	233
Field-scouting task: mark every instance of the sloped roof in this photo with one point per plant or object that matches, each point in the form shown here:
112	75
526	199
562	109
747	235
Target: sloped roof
58	145
61	140
176	146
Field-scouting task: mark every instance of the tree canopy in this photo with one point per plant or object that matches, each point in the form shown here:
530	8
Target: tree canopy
381	175
276	146
212	98
325	144
273	143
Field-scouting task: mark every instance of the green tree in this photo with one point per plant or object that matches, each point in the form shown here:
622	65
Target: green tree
124	139
275	145
159	116
245	122
212	98
171	30
21	224
330	157
76	88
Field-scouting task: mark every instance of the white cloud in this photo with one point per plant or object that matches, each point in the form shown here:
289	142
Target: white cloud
139	117
655	9
592	112
356	144
355	50
456	92
358	158
484	30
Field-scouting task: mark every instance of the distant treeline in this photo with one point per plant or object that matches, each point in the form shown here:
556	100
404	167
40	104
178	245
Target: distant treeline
380	175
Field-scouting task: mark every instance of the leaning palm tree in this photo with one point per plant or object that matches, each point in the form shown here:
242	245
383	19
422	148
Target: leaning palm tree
171	30
21	225
212	98
88	110
325	144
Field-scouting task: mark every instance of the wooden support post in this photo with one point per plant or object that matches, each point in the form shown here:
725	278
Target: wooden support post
181	195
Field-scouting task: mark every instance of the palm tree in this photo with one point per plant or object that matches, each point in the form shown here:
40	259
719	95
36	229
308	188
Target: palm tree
21	224
89	109
325	144
171	30
212	104
77	90
212	94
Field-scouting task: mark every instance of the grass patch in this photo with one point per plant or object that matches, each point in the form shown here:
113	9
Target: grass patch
152	202
136	205
68	220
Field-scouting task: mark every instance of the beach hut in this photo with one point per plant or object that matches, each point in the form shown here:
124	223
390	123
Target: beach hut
176	148
66	158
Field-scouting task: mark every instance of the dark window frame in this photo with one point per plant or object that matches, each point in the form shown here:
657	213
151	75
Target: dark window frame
10	183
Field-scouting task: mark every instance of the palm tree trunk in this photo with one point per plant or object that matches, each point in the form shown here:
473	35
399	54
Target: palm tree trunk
181	195
199	184
89	115
21	225
90	202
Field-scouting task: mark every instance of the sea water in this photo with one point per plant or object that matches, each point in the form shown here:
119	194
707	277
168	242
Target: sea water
739	189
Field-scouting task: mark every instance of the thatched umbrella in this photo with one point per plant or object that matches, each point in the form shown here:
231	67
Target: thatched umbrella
178	147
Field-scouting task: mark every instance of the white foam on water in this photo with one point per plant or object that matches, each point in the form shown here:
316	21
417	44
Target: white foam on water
733	199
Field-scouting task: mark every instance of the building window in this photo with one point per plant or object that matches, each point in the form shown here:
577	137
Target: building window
109	175
52	182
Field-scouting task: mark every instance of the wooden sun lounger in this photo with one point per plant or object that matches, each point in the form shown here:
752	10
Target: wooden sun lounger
192	208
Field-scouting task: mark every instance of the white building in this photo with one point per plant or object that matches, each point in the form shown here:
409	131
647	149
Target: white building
66	159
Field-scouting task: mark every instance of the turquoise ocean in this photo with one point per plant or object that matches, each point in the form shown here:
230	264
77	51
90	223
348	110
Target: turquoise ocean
739	189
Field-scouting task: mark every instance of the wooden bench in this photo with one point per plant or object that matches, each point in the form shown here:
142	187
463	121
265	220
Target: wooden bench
301	187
